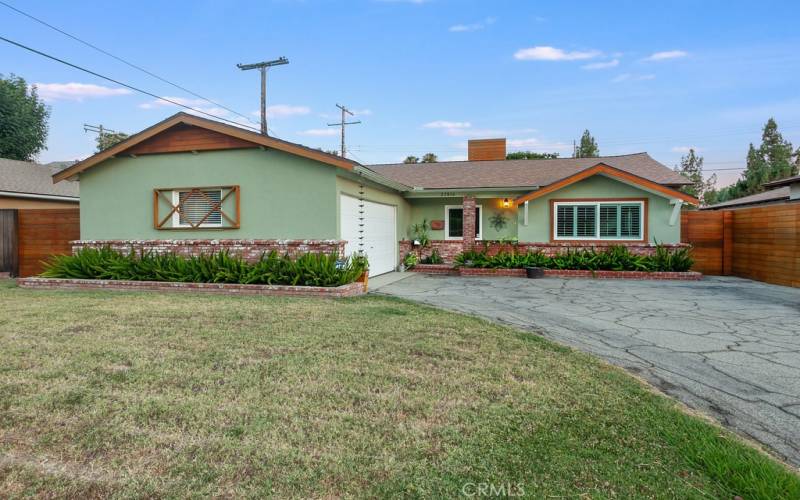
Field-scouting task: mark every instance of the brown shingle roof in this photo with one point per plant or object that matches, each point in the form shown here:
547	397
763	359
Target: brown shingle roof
31	178
513	173
773	195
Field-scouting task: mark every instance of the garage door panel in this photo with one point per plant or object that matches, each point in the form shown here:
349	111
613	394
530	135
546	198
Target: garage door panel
375	227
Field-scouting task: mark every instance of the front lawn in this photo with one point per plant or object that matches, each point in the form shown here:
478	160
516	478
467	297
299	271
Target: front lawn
160	395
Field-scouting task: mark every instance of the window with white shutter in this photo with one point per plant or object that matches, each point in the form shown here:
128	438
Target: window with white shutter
196	208
600	220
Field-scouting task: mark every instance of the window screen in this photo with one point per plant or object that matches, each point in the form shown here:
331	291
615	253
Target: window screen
196	204
455	222
630	221
565	225
599	220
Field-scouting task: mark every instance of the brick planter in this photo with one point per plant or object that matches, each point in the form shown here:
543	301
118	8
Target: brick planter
476	271
249	250
434	269
349	290
567	273
624	275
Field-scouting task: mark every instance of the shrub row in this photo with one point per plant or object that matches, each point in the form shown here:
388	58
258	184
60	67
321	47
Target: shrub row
613	258
310	269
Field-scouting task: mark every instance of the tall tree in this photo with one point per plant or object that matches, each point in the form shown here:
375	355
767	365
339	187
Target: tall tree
772	160
692	168
429	158
23	120
411	159
106	140
530	155
587	147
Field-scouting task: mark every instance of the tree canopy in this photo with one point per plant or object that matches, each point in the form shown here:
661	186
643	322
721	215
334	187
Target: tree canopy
23	127
429	158
411	159
692	167
106	140
587	147
774	159
530	155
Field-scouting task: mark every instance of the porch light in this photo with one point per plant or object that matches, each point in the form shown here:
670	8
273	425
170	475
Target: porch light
506	203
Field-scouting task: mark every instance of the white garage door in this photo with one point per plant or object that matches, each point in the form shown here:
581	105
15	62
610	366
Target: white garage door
374	229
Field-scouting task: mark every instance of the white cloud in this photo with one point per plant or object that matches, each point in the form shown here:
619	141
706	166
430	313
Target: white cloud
667	54
319	132
76	91
628	77
535	143
545	53
462	28
602	65
685	149
446	124
362	112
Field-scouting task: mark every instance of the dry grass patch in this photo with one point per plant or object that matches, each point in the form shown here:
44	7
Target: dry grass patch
150	394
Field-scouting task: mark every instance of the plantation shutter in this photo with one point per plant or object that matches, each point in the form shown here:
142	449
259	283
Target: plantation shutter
586	221
565	221
608	221
630	221
195	206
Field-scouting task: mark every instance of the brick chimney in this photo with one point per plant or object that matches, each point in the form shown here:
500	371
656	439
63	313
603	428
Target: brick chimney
486	149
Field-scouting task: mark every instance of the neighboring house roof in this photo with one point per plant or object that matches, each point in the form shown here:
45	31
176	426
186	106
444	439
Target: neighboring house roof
614	173
784	182
222	128
31	180
771	196
519	173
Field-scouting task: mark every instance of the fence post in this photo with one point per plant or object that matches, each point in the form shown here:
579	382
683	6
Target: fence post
727	242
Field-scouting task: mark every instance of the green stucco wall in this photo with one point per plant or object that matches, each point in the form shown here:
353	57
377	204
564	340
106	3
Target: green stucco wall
433	209
349	184
282	195
538	228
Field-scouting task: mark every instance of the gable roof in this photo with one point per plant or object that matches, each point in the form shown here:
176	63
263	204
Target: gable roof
229	130
515	173
614	173
33	180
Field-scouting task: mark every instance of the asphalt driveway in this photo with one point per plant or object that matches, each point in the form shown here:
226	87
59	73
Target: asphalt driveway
727	346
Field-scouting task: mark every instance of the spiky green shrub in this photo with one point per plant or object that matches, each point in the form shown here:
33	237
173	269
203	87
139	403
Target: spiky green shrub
613	258
310	269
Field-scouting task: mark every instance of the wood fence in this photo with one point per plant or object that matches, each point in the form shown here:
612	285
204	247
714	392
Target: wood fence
8	241
761	243
30	236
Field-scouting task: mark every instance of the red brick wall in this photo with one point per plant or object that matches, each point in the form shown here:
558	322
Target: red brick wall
469	221
448	249
250	250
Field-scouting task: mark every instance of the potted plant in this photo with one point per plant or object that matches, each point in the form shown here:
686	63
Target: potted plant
361	260
410	260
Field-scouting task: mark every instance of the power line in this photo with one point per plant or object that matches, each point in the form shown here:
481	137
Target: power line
343	124
109	54
54	58
262	67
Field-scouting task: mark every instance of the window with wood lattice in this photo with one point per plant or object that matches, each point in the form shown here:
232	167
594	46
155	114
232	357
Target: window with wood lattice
214	207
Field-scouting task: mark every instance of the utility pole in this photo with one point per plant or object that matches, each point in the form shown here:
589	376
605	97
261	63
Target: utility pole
100	131
342	124
263	67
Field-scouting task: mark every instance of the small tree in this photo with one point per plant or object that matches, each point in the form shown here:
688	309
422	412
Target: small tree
530	155
23	120
429	158
106	140
411	159
692	167
587	147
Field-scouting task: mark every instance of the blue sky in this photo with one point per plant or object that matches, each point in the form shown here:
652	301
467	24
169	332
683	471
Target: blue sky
428	75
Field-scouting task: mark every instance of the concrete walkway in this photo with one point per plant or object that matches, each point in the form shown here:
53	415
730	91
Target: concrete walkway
727	346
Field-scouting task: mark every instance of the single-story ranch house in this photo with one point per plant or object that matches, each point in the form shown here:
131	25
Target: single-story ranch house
190	185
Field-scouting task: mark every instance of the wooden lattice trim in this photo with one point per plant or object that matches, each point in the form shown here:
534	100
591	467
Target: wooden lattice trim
160	194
